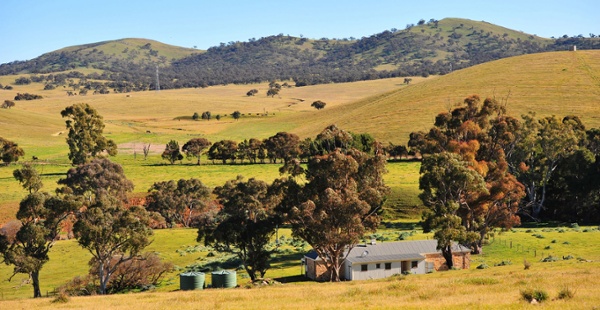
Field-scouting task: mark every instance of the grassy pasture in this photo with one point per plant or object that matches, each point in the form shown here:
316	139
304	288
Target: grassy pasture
402	178
494	287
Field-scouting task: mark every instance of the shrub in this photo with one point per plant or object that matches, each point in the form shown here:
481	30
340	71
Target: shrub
574	225
79	286
526	264
537	294
481	281
566	293
483	266
503	263
550	259
141	273
27	96
61	298
568	257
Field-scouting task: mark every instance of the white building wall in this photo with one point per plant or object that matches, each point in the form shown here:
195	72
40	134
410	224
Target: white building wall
353	271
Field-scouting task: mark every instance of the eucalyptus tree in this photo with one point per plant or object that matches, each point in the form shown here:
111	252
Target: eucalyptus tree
41	216
10	151
448	184
111	232
245	224
85	137
178	202
337	204
195	148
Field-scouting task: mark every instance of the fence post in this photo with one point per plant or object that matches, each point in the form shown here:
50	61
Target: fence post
511	244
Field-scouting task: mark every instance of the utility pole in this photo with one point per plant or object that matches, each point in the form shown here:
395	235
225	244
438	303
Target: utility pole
157	80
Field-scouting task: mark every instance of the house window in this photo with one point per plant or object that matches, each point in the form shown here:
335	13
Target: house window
378	266
364	267
388	266
414	264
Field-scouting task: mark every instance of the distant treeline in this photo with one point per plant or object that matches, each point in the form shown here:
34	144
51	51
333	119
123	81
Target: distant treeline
282	147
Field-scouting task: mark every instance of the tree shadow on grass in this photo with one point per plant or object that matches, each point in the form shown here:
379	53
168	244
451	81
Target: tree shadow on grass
293	279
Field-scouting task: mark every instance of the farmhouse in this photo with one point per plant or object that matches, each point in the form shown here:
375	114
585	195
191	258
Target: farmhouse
376	261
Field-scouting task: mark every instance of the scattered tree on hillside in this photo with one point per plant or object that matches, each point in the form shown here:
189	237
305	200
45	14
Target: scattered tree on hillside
407	80
195	148
178	202
22	81
85	137
196	116
172	152
318	104
244	225
236	115
252	92
337	205
272	92
206	115
10	151
27	96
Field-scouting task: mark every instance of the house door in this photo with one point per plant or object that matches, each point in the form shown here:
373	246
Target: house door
404	266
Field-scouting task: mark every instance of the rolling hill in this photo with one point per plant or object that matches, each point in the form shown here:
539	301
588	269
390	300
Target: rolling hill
428	48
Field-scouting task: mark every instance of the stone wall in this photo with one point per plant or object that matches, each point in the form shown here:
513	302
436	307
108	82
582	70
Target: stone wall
460	260
316	270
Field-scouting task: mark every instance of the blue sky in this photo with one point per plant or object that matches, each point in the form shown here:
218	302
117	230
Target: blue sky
31	28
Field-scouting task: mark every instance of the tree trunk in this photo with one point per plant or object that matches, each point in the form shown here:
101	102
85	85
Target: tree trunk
478	245
103	279
250	273
35	278
447	253
334	271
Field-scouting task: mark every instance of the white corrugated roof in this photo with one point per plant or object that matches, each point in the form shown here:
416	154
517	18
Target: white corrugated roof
395	251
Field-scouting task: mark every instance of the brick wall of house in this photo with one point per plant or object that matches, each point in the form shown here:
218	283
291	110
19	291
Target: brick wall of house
460	260
317	271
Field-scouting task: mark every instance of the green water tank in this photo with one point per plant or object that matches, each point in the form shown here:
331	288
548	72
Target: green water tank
224	279
191	281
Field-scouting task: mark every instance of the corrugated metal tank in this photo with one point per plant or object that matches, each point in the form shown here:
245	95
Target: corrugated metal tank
191	281
224	279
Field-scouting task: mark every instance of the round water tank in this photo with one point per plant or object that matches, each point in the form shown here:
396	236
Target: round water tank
191	281
224	278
